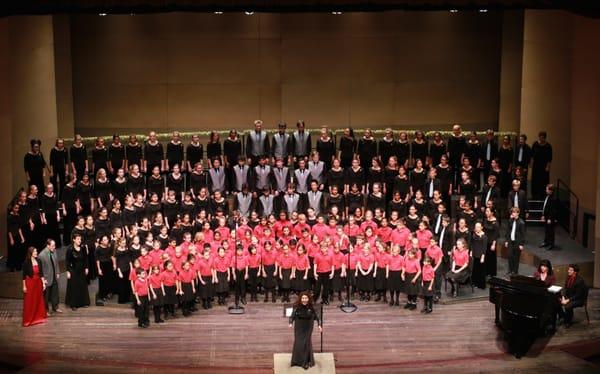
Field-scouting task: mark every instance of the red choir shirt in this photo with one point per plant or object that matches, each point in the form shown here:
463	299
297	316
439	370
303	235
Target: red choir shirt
366	260
370	224
331	230
259	231
424	238
214	247
141	287
312	249
204	267
320	230
323	262
241	230
133	275
382	259
371	240
299	228
428	273
279	225
269	257
400	236
145	262
240	262
156	255
338	260
353	260
170	251
385	234
285	239
286	261
253	260
186	276
225	232
352	230
221	264
343	242
412	266
168	278
302	262
396	262
186	247
155	280
178	262
434	253
460	257
208	235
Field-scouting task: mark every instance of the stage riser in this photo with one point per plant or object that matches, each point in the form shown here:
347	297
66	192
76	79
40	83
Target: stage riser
12	285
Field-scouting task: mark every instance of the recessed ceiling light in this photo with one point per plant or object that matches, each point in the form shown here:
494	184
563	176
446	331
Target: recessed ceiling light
218	12
102	14
337	13
483	10
249	13
453	10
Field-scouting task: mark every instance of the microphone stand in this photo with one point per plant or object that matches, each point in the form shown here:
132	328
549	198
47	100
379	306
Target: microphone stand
347	306
236	308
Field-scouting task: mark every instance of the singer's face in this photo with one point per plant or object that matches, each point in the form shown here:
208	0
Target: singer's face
304	299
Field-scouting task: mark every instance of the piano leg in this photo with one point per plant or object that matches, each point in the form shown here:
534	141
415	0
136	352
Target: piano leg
497	314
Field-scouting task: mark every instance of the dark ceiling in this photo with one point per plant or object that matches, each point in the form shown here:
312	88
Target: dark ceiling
14	7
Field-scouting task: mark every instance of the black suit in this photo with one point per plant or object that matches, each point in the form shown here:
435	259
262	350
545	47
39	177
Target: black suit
514	252
437	185
550	216
577	295
494	195
522	201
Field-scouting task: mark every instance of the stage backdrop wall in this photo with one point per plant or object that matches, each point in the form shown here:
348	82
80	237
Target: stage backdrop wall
206	71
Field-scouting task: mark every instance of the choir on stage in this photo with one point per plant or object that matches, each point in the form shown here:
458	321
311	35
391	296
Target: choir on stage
173	228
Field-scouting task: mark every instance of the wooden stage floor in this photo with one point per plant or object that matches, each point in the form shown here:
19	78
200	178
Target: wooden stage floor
457	337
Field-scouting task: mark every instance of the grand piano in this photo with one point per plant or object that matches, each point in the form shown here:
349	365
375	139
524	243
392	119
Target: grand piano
524	309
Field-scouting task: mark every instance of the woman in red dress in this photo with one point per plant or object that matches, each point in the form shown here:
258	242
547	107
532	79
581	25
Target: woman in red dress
34	307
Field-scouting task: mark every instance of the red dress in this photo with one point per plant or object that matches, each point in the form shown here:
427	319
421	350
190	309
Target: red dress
34	308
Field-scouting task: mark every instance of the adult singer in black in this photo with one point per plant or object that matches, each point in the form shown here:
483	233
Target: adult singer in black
549	216
302	319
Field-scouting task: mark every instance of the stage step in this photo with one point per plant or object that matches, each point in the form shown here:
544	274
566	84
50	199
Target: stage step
324	364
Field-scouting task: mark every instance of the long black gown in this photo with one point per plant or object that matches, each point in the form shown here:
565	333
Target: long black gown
303	318
77	286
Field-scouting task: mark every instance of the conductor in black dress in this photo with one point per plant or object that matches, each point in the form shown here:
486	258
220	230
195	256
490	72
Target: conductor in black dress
302	319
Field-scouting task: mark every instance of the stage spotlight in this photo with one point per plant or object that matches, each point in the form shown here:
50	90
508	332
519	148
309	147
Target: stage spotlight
102	14
218	12
483	10
336	13
453	10
132	14
249	13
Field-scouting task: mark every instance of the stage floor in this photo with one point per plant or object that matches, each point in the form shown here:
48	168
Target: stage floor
459	337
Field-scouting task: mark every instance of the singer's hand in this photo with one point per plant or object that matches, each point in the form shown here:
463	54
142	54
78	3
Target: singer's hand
291	325
320	328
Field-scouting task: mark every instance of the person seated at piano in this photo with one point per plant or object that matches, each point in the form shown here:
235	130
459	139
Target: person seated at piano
574	295
459	270
544	273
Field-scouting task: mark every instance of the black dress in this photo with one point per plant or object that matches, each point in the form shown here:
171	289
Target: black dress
367	149
347	150
326	149
34	165
303	318
77	286
492	231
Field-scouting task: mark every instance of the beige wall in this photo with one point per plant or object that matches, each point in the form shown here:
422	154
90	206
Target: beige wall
511	72
63	71
191	71
546	83
6	186
31	66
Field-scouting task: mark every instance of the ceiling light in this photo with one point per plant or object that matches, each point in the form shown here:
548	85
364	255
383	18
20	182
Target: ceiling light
218	12
249	13
336	13
453	10
102	14
483	10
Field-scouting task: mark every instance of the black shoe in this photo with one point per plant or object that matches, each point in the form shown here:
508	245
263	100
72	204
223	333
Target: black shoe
407	305
543	244
266	299
244	301
424	310
141	325
551	247
385	299
326	302
397	303
413	306
161	321
274	300
429	310
436	299
392	302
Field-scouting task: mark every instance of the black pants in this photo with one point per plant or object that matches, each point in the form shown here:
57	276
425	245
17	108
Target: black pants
240	285
143	311
566	311
51	296
549	233
323	285
58	180
514	255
